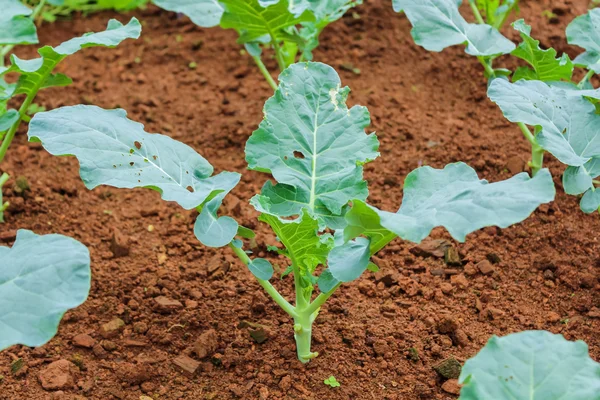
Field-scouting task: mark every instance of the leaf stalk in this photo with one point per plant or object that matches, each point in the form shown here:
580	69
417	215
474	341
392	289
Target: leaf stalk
263	69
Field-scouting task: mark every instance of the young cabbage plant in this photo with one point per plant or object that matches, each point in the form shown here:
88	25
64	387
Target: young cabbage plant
536	365
290	27
37	74
41	277
314	147
542	87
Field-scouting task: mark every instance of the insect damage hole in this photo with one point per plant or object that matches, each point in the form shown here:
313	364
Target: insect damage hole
137	145
190	189
299	155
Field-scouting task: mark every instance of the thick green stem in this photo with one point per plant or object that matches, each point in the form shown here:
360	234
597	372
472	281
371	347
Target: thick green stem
265	72
488	68
3	206
270	289
537	152
476	12
303	335
586	79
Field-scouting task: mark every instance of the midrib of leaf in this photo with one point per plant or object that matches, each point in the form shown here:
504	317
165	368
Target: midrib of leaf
313	187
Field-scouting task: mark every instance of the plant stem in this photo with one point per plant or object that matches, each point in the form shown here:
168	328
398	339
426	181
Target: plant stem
586	79
488	68
476	12
303	337
270	289
321	299
537	152
278	54
3	206
265	72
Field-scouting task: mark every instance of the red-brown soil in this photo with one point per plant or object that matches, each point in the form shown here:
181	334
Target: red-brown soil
427	108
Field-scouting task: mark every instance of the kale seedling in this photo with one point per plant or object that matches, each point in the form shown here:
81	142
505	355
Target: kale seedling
290	27
542	96
314	147
38	74
535	365
331	381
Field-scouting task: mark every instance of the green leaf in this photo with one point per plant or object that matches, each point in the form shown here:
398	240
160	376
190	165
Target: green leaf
253	21
331	381
261	268
36	74
584	32
15	25
570	127
205	13
213	231
41	277
534	365
312	144
546	67
325	12
116	151
302	242
590	202
246	233
577	180
437	24
348	261
326	281
8	119
455	199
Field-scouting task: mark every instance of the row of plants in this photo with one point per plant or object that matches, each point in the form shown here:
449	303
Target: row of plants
314	147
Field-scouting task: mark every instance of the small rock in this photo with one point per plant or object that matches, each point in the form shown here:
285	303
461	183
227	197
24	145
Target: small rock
84	340
140	328
587	281
132	374
381	347
485	267
446	287
449	368
492	313
451	386
188	365
460	281
515	165
165	305
470	270
548	275
451	257
447	324
148	387
285	383
108	345
112	328
119	245
58	375
594	313
217	268
461	338
263	392
260	335
99	351
207	344
431	248
553	317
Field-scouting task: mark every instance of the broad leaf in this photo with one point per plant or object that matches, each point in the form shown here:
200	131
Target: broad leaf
546	67
261	268
590	202
8	119
116	151
253	21
577	180
205	13
455	199
584	32
347	262
437	24
214	231
312	144
36	74
15	25
41	277
534	365
570	127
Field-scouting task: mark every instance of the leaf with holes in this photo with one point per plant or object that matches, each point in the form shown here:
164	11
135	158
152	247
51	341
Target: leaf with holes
41	277
313	145
15	25
116	151
584	32
37	73
454	198
531	365
205	13
437	24
545	66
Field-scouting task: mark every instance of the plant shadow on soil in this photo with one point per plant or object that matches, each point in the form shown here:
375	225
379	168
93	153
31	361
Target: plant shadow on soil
380	336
